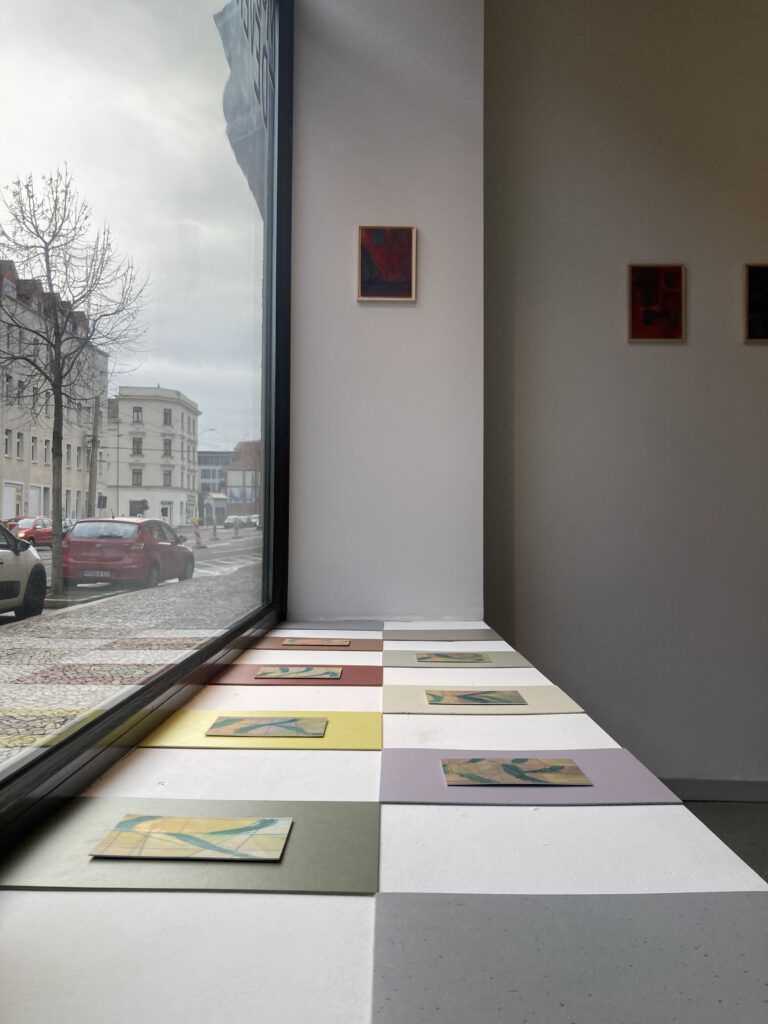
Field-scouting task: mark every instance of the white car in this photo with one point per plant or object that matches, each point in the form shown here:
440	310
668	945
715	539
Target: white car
22	577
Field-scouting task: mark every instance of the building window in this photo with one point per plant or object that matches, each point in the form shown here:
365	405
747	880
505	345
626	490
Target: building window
136	478
167	446
167	420
19	445
138	414
167	478
69	455
182	421
79	458
138	446
9	388
8	442
20	392
47	451
33	449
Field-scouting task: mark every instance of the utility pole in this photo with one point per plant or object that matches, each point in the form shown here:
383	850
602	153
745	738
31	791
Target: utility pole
91	504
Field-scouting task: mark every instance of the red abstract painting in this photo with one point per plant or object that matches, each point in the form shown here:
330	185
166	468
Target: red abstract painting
387	264
656	303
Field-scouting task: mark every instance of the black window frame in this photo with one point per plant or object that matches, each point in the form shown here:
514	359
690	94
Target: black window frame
39	787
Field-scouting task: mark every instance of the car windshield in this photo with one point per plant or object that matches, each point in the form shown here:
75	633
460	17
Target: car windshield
26	523
104	531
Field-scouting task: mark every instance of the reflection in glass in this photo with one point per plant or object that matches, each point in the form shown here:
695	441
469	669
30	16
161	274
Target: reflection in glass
160	114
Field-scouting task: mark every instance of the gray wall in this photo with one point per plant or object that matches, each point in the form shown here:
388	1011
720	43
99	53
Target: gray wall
387	401
627	485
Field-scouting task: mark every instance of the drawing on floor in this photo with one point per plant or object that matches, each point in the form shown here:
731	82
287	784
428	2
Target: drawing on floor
226	725
308	641
299	672
158	837
474	697
462	658
513	771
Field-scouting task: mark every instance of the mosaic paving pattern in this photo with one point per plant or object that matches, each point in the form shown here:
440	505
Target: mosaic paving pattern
93	675
157	643
23	727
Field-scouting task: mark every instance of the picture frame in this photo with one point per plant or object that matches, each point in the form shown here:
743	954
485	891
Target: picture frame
656	300
386	264
756	303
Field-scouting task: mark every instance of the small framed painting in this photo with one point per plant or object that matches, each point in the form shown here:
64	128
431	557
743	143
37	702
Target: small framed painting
756	303
656	302
386	264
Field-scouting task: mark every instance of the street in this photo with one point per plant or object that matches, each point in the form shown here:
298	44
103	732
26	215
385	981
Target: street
57	666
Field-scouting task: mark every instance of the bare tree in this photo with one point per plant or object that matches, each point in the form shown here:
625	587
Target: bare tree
75	304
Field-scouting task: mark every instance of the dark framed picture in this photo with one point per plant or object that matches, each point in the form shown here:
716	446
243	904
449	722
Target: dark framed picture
756	303
656	302
386	264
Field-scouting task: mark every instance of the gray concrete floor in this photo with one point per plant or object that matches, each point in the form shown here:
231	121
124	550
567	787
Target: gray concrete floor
741	826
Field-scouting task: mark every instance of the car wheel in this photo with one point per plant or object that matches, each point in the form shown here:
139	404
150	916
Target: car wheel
34	596
153	576
189	569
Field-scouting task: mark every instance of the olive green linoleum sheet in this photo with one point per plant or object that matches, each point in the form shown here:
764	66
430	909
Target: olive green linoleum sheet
346	730
332	848
459	659
539	700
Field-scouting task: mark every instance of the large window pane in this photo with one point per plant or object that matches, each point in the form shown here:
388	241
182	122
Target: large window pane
132	345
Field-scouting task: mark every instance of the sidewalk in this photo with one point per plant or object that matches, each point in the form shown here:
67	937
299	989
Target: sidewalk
57	666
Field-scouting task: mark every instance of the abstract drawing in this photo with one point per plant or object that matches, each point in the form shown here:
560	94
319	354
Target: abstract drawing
386	267
159	837
299	672
462	658
756	298
474	697
513	771
305	641
656	303
309	728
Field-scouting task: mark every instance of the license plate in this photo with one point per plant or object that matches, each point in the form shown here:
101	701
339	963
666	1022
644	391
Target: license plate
100	573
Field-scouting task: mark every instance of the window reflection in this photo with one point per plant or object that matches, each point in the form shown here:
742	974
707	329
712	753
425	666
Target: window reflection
158	114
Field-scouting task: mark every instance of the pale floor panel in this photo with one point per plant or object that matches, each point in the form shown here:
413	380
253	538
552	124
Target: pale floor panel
435	624
302	657
495	732
455	678
343	634
332	775
551	850
447	645
302	698
185	958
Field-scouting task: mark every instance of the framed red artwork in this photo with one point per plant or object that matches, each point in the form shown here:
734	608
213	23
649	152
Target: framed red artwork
656	302
386	264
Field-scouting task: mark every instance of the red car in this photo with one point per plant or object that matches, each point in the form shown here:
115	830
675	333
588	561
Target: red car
35	531
142	551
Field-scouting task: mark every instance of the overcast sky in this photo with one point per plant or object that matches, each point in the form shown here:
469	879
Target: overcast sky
129	94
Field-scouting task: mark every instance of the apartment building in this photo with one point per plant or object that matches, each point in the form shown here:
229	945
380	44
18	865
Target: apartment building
151	454
26	407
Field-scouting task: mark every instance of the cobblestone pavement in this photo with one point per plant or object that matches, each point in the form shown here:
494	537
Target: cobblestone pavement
56	667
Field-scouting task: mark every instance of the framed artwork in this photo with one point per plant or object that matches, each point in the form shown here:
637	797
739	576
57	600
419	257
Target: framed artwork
386	264
656	302
756	303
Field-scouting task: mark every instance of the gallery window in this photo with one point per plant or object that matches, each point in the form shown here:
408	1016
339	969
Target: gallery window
213	90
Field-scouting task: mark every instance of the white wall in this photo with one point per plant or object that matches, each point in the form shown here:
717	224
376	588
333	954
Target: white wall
627	488
386	400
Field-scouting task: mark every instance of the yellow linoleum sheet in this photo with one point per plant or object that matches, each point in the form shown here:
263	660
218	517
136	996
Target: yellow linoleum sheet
346	730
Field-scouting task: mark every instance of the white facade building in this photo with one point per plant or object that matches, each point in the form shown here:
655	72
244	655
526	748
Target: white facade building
151	454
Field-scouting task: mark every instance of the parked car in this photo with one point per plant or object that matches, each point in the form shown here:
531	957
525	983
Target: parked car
11	524
67	524
229	522
37	530
22	577
125	550
255	520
